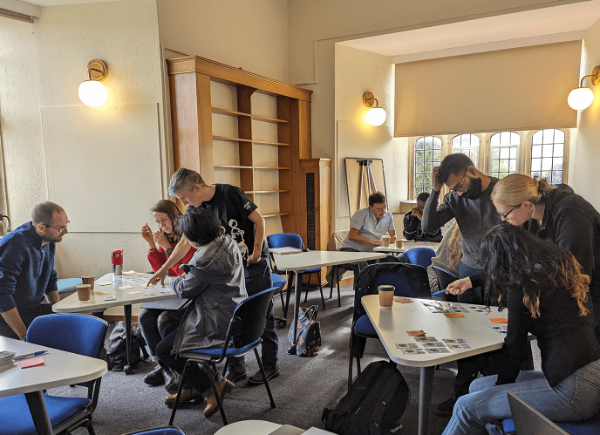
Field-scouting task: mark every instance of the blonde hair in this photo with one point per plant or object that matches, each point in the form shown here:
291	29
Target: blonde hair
455	248
514	189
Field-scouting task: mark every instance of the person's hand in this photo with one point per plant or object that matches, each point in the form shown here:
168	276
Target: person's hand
254	258
147	235
161	240
393	240
377	243
159	276
437	184
460	286
417	212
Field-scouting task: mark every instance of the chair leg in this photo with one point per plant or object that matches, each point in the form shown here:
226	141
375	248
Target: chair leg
90	429
211	376
339	297
290	286
351	357
262	371
333	276
307	287
321	289
181	381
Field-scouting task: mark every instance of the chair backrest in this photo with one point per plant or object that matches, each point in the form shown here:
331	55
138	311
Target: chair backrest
444	277
251	317
283	240
76	333
420	255
529	421
409	279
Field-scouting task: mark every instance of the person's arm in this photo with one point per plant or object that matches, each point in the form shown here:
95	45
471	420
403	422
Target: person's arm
259	234
13	319
573	233
411	224
192	285
435	217
52	287
178	253
53	297
392	234
156	258
353	235
460	286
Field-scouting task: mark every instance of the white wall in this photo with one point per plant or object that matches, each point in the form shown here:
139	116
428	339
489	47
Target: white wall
42	65
588	138
356	72
252	35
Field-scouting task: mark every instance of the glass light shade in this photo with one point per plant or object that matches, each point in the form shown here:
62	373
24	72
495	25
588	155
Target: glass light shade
93	93
581	98
376	116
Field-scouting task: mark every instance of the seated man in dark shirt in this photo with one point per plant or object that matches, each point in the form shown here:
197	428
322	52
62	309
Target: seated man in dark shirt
412	223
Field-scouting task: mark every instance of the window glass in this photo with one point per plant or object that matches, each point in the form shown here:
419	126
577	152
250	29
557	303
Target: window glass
504	151
466	144
547	154
428	154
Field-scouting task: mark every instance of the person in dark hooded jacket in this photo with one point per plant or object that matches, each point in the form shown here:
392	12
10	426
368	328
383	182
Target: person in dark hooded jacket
215	283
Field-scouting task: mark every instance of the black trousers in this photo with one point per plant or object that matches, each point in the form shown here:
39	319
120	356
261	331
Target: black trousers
27	317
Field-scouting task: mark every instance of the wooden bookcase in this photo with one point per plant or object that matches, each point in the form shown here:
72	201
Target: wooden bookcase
193	139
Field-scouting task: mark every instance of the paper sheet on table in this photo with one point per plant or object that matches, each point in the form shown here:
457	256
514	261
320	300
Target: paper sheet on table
499	320
453	315
129	272
33	362
125	287
101	292
104	283
418	333
135	292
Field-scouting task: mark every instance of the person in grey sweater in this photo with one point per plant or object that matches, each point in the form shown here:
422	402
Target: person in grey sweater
470	203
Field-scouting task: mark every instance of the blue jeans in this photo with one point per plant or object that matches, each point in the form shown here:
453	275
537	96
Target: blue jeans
575	398
157	324
258	278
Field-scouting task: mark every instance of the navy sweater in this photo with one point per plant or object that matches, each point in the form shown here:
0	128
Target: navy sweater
26	269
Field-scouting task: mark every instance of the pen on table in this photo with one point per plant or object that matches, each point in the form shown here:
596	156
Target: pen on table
30	355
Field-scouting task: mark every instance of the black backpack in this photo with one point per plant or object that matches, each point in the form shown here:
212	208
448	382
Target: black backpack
374	404
116	353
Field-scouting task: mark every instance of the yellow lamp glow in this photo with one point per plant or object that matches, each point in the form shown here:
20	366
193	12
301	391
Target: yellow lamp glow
582	98
92	93
376	115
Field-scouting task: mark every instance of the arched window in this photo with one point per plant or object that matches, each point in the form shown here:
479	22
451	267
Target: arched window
466	144
504	147
547	155
428	153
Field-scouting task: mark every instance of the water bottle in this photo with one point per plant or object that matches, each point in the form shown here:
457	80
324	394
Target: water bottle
116	259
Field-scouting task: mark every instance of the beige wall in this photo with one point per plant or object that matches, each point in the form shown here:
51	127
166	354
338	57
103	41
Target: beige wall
356	72
585	173
42	65
252	35
315	26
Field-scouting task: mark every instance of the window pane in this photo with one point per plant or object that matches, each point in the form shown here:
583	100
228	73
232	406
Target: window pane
546	164
420	144
548	136
559	150
515	139
536	151
495	166
428	142
537	138
504	153
437	156
557	164
536	165
559	136
556	177
513	153
456	141
495	153
547	150
513	166
495	140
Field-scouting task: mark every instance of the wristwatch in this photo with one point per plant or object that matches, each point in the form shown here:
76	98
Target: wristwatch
169	251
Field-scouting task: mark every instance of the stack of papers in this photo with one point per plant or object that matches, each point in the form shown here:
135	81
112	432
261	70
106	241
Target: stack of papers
286	250
6	357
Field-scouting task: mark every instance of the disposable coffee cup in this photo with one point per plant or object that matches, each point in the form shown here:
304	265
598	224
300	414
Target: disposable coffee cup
385	241
399	244
386	295
83	292
88	279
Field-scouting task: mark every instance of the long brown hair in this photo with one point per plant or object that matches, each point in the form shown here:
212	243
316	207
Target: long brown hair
171	210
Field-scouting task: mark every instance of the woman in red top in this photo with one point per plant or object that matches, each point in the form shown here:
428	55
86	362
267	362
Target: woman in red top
156	324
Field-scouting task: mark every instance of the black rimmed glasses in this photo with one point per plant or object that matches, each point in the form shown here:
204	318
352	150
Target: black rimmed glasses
61	229
458	187
505	215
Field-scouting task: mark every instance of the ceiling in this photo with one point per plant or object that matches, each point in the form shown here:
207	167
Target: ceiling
540	26
63	2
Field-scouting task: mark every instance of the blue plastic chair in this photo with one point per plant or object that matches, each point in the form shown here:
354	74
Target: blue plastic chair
587	427
244	333
76	333
408	279
165	430
420	255
284	240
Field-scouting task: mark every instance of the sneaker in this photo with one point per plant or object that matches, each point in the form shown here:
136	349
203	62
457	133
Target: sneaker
235	376
257	378
155	377
445	408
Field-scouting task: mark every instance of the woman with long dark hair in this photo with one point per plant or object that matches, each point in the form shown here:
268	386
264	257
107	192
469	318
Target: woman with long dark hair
547	295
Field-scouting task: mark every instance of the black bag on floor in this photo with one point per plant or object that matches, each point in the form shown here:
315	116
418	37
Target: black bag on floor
374	404
116	353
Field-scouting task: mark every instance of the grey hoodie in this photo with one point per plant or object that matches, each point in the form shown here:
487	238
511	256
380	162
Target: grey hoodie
216	284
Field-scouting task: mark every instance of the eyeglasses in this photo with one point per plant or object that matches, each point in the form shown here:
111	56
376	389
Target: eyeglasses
458	187
505	215
61	229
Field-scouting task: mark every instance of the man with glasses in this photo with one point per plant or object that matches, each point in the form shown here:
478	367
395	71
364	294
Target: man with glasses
27	274
470	203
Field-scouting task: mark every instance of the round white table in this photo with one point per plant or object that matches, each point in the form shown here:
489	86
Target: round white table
249	427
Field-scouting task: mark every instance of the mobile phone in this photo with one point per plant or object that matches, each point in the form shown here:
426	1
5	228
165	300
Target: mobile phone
110	298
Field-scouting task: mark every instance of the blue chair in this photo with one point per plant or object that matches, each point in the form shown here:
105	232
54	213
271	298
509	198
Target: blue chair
165	430
420	255
408	279
284	240
587	427
279	283
244	334
76	333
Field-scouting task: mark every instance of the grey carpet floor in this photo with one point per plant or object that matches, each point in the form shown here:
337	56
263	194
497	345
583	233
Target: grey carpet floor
304	387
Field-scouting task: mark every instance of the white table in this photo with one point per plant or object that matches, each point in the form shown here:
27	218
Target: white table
60	368
72	304
407	244
391	326
299	262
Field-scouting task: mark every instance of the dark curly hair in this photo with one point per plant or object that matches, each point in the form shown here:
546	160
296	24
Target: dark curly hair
516	259
199	226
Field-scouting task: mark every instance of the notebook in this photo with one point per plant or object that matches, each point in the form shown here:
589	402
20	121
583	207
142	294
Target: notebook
174	304
528	421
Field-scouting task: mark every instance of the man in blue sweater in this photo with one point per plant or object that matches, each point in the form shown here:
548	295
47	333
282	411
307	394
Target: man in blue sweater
27	273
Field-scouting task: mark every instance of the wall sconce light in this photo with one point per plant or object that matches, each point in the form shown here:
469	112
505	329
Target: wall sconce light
92	92
581	98
376	116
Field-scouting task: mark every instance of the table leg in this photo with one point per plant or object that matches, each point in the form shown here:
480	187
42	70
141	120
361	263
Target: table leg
39	413
297	295
425	387
129	366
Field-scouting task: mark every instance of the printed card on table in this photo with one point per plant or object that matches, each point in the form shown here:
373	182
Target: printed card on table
453	315
406	345
453	340
101	292
125	287
459	346
425	339
430	344
135	292
103	283
500	330
437	350
413	351
498	320
416	333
